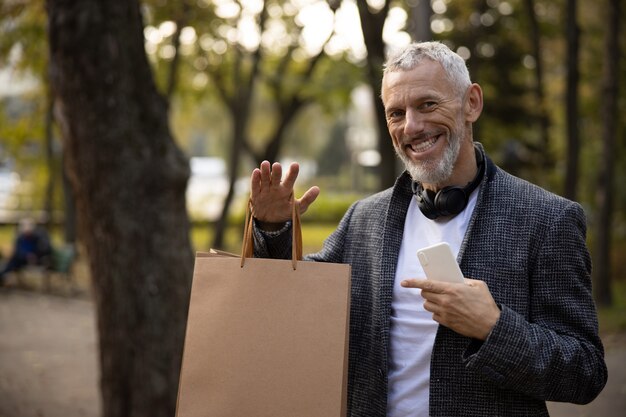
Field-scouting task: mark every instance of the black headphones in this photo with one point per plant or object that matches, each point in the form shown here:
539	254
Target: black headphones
449	201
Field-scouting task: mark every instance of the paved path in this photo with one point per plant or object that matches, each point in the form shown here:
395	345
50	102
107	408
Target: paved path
48	362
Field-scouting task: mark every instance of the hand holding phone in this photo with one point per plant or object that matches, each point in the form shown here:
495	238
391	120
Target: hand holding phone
439	263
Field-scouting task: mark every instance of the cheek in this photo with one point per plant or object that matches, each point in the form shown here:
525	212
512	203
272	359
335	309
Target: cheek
396	133
450	119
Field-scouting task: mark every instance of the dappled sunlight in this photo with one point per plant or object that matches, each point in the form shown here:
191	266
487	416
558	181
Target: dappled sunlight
316	19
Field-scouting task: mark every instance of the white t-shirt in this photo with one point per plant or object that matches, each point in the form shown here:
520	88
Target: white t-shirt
412	329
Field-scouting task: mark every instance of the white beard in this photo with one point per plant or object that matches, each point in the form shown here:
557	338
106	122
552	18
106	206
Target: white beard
434	171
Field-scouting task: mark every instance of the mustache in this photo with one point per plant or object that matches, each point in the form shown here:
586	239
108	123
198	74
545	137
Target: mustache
421	136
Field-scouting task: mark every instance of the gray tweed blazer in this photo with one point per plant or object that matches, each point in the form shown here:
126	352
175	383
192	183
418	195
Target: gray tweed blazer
528	245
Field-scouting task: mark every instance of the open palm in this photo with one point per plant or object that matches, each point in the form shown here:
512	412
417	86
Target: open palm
271	194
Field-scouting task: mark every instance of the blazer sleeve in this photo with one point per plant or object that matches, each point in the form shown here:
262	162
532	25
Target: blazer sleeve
554	354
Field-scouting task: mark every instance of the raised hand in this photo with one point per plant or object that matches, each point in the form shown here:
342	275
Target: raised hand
271	197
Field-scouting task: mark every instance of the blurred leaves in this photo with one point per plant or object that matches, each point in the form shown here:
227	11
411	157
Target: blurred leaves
216	42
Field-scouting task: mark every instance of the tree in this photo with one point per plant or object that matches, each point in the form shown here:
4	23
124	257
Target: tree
256	77
49	146
542	113
372	23
420	13
23	28
238	102
129	180
605	184
490	39
571	102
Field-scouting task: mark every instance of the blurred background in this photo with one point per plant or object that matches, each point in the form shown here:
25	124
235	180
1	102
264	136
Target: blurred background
128	132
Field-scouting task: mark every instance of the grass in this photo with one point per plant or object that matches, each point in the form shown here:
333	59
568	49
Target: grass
7	235
313	236
613	319
201	237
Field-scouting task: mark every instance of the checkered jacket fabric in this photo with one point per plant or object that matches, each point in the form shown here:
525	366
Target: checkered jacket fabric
528	245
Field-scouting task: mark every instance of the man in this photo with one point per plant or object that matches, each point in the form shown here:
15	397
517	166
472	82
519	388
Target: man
520	331
31	247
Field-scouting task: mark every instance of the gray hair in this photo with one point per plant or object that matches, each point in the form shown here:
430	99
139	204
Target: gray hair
409	57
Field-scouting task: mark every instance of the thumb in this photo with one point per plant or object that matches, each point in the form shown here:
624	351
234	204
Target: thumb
308	198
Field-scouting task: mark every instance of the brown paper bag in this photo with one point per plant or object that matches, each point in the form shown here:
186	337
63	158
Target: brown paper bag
265	337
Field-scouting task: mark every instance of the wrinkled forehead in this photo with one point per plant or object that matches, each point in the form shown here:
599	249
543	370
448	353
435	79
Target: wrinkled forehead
428	75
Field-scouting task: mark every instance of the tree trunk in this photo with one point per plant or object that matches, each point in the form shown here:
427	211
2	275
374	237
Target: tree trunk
571	103
420	21
172	75
129	180
50	160
540	97
240	119
372	25
69	208
604	190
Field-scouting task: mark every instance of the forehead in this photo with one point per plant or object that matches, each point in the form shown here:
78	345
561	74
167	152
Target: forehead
428	78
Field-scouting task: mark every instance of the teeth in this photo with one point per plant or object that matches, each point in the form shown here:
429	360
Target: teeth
422	146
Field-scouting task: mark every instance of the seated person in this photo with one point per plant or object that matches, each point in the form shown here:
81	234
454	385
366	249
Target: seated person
31	247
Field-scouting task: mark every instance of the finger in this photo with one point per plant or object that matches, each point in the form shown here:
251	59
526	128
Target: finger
427	285
292	174
474	282
265	175
408	283
416	283
437	317
255	182
308	198
430	306
276	175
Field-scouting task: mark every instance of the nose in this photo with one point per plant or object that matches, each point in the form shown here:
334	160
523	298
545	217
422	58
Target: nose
413	122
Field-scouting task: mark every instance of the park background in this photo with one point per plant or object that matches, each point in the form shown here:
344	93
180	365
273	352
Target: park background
129	130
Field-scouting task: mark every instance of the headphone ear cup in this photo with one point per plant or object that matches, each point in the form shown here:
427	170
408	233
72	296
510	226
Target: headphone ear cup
450	201
426	204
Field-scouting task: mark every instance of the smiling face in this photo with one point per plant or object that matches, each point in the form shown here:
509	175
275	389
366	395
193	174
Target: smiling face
429	122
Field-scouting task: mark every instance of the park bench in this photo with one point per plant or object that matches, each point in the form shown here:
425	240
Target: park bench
61	264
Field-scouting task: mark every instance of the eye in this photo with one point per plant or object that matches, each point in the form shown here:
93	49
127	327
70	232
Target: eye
394	114
428	105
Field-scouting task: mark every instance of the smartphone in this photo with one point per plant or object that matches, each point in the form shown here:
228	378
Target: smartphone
439	263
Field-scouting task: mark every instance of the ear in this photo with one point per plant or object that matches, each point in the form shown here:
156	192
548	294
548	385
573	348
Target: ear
473	103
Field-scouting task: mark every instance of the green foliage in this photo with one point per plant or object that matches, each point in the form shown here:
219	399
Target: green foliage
613	319
497	44
335	153
329	207
24	57
23	44
22	139
313	236
213	72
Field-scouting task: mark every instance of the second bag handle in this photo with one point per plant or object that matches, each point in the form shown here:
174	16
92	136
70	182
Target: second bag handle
247	250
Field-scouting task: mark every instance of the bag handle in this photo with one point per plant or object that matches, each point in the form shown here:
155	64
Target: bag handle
247	250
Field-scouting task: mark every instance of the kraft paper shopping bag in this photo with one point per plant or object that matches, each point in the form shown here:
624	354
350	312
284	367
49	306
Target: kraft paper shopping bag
265	337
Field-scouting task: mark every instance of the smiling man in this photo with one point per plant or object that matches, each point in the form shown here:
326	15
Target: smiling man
522	328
